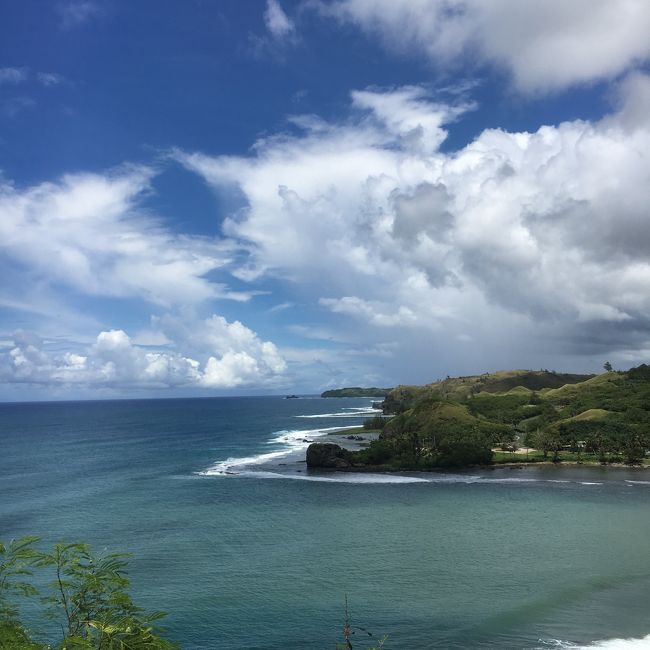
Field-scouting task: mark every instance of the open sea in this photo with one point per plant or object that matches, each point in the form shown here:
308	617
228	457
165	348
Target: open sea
247	550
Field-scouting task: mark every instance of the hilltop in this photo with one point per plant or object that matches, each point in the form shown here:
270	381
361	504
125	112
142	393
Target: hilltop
462	388
485	419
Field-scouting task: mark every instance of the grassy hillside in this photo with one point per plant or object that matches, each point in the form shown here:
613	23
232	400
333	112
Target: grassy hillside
458	421
460	389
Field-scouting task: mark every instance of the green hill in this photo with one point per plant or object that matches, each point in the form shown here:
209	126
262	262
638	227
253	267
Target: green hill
434	433
459	421
462	388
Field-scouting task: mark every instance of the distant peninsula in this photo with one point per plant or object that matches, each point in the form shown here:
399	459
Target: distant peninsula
356	391
513	416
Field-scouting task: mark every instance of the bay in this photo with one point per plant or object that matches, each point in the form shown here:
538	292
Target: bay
246	549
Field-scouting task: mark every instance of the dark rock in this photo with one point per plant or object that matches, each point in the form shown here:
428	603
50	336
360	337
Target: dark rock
327	455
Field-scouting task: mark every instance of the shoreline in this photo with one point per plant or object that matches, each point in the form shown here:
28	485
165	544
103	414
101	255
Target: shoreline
383	469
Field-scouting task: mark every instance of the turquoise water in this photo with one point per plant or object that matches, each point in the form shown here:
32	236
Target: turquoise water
248	550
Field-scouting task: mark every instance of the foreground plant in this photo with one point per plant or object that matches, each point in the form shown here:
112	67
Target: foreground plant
16	560
89	598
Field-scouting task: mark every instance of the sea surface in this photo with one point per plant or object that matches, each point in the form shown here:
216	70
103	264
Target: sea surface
248	550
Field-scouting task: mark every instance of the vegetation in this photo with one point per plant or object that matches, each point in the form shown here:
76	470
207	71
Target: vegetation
434	433
488	418
88	598
460	389
376	423
356	391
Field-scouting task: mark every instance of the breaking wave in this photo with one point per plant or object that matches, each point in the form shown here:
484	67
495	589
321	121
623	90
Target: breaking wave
290	441
348	412
608	644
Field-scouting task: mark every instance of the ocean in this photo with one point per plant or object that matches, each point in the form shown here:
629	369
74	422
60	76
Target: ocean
248	550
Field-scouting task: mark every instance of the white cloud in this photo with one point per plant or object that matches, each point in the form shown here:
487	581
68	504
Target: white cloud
408	113
240	353
49	79
89	232
372	312
280	307
12	75
21	75
542	44
277	22
236	357
548	230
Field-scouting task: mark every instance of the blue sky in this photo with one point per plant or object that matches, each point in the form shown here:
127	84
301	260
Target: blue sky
235	197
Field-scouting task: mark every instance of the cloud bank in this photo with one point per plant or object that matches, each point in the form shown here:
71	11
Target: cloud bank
550	228
232	356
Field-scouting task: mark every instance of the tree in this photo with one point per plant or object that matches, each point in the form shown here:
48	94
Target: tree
607	366
549	439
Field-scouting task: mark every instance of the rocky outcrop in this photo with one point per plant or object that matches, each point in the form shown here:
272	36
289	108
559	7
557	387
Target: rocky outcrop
327	455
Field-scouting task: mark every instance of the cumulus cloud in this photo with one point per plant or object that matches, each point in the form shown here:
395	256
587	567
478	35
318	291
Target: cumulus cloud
243	358
235	357
550	227
542	44
89	232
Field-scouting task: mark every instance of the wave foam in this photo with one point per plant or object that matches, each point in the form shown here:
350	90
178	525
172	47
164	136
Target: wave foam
608	644
351	413
299	436
291	441
341	477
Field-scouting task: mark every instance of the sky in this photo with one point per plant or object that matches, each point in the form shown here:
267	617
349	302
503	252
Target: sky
266	197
